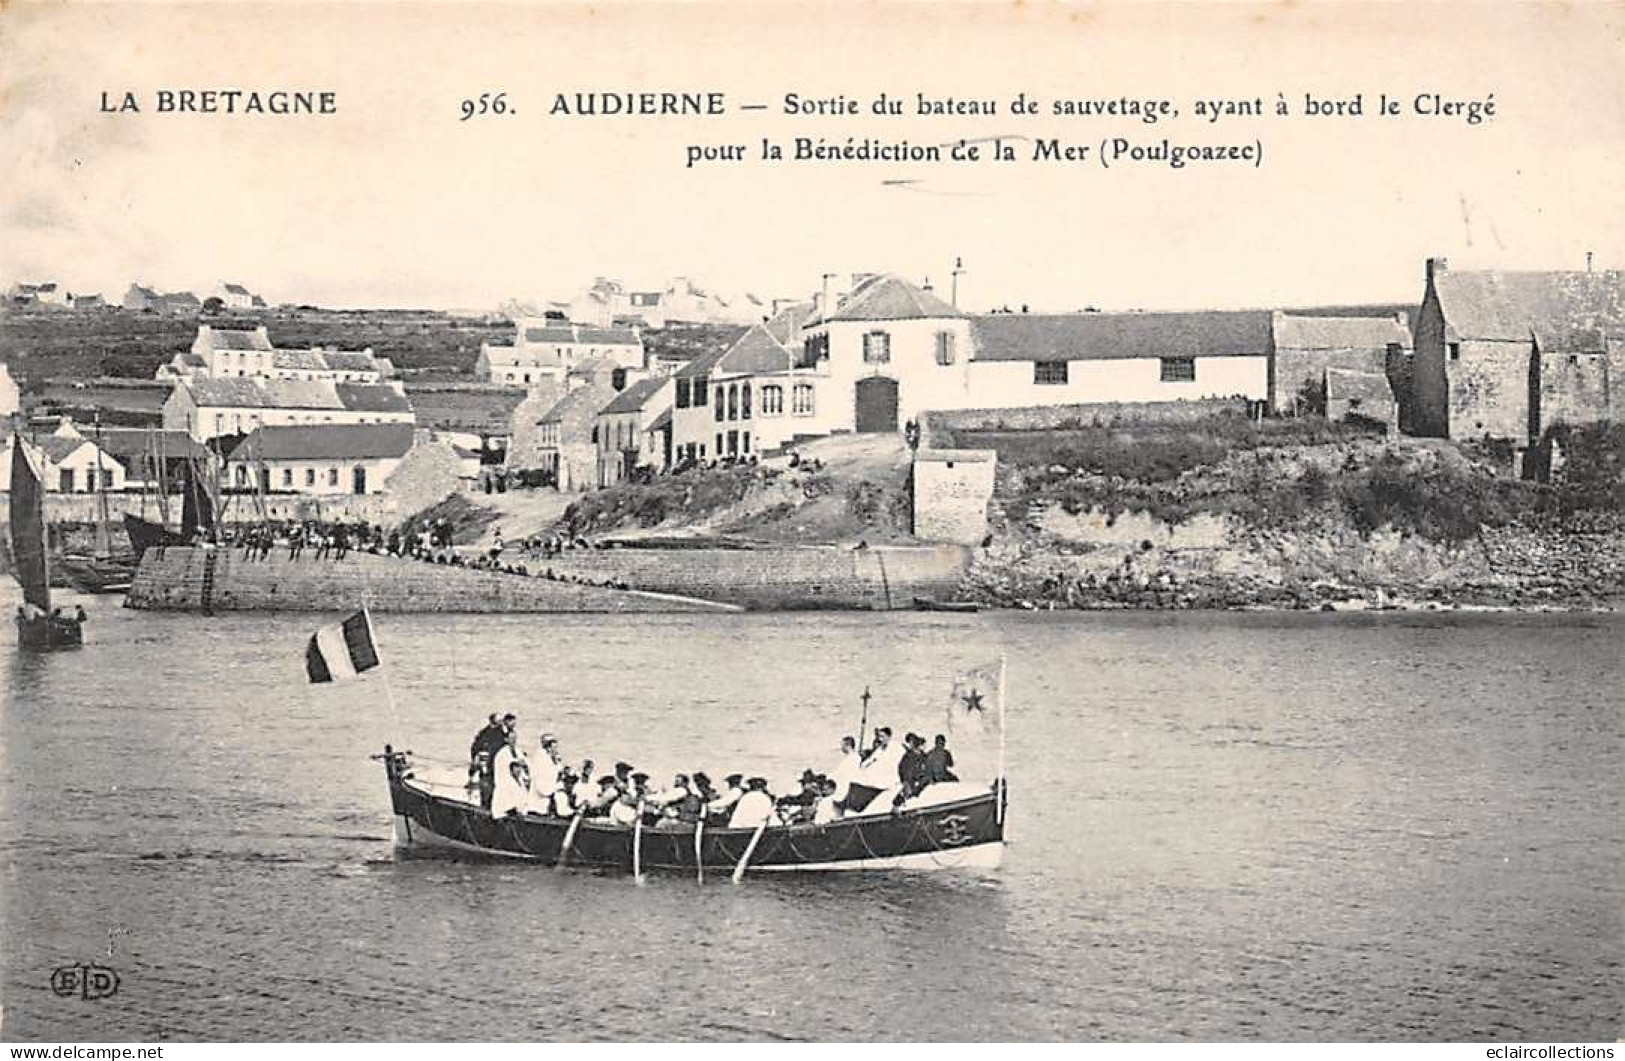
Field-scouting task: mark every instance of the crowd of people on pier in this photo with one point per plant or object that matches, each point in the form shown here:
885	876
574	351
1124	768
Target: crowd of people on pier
507	781
429	542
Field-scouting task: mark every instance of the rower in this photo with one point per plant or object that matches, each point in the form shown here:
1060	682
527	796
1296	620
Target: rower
718	810
754	807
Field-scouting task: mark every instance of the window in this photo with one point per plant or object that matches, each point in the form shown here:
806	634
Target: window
242	475
1179	370
772	399
876	348
1049	372
802	399
733	402
332	477
1455	351
65	481
287	477
744	401
733	443
310	476
945	348
744	440
719	443
721	406
815	349
682	394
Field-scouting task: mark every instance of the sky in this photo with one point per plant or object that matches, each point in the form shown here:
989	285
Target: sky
394	201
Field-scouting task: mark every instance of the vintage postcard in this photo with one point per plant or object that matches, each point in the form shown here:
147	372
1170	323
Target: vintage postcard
855	522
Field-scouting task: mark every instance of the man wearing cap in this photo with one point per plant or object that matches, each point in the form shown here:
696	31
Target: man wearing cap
754	807
599	803
911	768
484	749
547	765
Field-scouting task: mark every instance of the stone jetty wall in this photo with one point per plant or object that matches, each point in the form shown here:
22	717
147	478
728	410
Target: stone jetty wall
222	579
878	578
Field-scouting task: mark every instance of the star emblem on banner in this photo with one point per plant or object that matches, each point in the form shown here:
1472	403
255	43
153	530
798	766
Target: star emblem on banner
973	701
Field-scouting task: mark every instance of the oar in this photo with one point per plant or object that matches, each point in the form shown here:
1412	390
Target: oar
699	860
637	846
569	838
750	849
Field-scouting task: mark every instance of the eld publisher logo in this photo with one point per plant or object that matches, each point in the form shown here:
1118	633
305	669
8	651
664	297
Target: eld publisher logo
84	981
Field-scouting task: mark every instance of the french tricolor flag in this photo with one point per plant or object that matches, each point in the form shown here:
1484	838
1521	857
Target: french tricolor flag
342	650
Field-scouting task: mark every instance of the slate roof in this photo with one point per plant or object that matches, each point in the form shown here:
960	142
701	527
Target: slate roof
58	448
582	333
588	399
350	361
633	398
1339	333
238	338
764	347
661	422
372	398
1112	336
482	408
308	360
126	442
890	298
1562	310
252	393
235	289
325	442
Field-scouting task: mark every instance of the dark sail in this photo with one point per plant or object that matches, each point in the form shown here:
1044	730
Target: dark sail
28	526
197	508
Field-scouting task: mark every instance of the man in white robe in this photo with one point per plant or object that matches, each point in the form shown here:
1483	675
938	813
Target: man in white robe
846	771
511	774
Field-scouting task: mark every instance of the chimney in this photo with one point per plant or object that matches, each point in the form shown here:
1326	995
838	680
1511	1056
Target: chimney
1437	267
927	286
1588	261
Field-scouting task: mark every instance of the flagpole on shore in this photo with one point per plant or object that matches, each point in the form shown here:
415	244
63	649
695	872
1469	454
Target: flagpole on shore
999	807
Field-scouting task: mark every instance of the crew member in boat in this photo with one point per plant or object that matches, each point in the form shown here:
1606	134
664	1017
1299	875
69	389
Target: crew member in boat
666	801
754	807
598	804
548	763
624	811
562	802
828	807
880	762
720	809
911	771
939	762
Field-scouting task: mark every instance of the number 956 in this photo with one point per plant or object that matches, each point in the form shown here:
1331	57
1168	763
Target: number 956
488	103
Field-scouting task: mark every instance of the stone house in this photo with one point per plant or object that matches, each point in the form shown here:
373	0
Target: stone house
1507	355
565	445
625	432
236	296
1305	347
219	352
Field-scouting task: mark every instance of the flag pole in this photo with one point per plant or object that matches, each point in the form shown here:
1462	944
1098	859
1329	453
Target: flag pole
389	691
999	807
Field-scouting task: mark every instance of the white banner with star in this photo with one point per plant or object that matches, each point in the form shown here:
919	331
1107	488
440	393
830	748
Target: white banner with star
973	705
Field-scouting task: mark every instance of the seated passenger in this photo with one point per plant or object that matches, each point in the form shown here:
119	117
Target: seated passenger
939	762
599	803
828	808
563	803
754	807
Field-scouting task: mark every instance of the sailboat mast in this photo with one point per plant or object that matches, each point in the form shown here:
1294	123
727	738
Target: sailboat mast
104	545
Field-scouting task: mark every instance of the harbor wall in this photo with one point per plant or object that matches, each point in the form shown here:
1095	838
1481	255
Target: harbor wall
223	579
877	578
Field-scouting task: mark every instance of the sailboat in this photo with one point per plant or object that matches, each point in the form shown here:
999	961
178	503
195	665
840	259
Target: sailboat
39	629
197	512
104	571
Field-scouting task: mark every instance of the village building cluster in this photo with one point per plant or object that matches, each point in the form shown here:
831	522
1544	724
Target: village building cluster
585	404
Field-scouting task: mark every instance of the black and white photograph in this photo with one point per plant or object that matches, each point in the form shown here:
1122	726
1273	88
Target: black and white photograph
876	523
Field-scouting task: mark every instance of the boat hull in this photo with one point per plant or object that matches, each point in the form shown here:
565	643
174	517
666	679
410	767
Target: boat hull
97	574
963	834
45	634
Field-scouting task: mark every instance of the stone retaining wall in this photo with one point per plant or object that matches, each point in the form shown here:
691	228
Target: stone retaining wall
876	578
185	579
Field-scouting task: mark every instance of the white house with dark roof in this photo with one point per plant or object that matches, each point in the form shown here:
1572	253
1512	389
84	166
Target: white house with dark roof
625	430
749	398
207	407
222	352
1507	355
73	463
320	459
236	296
547	349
